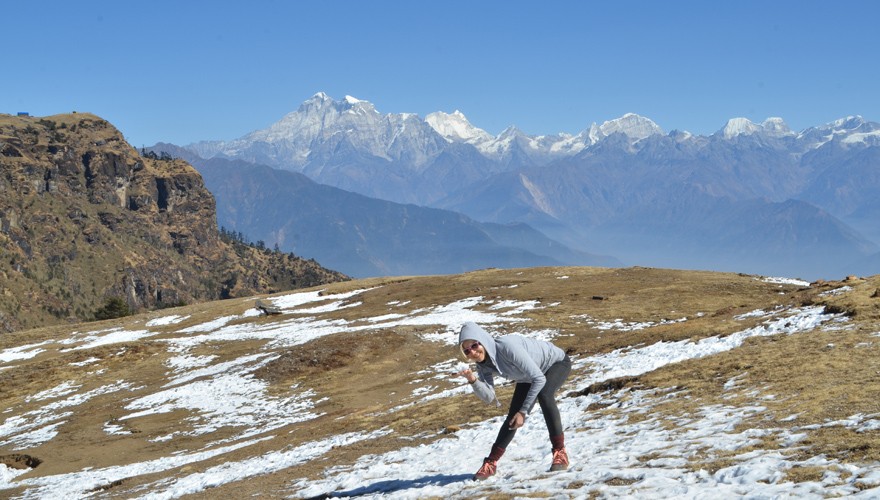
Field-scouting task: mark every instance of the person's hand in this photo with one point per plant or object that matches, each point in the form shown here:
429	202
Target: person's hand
516	421
469	375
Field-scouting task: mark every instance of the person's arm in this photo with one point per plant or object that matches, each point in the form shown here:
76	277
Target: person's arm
482	384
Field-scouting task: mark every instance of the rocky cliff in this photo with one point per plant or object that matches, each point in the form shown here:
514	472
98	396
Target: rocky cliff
84	218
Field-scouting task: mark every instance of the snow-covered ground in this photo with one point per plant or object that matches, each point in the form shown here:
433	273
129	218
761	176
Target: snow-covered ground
615	456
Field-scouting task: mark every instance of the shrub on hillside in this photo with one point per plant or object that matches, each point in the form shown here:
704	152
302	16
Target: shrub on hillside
114	307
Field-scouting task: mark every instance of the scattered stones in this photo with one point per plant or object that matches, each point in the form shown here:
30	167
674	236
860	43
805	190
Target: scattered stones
20	461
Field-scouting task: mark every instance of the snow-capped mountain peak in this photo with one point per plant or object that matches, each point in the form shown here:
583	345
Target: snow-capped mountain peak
739	126
455	127
776	127
632	125
771	127
853	130
355	105
321	103
848	123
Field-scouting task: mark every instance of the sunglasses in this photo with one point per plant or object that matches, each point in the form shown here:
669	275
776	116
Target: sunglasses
468	350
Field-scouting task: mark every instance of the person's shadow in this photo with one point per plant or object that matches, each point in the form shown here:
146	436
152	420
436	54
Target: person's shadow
396	485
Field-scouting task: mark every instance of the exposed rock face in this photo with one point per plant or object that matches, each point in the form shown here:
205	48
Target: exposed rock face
83	217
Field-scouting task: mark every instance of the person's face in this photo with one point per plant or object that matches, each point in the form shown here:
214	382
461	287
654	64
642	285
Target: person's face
473	350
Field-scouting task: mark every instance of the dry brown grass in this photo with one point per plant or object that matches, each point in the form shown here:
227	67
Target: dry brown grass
817	378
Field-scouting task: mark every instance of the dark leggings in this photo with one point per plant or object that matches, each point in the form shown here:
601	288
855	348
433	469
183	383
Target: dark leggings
556	375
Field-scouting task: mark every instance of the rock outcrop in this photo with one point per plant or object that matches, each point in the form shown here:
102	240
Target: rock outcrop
85	218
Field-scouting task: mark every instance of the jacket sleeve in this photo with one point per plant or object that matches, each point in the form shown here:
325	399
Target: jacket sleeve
484	387
518	356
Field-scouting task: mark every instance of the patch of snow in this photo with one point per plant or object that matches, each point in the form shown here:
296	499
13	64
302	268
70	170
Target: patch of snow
295	300
114	429
757	313
22	352
185	362
620	325
8	474
209	326
227	395
837	291
166	320
47	417
105	337
331	307
86	362
629	361
62	389
785	281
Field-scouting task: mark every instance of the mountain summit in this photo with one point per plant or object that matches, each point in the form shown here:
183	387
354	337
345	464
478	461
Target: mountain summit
631	125
322	127
772	127
455	127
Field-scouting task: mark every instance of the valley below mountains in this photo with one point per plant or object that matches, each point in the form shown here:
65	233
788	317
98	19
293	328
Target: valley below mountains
367	236
753	197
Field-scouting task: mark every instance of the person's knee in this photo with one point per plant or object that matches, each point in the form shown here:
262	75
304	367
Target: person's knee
547	400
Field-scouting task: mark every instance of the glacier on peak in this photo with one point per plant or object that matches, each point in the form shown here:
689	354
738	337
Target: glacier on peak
739	126
321	103
456	127
772	127
776	127
848	131
632	125
851	121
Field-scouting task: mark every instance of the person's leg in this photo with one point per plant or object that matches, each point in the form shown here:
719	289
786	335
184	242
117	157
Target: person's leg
556	375
505	434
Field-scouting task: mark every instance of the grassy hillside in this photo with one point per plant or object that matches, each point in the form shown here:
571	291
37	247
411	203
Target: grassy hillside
147	403
84	218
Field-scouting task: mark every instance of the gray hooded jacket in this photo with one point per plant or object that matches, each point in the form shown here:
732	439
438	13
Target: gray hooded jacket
514	357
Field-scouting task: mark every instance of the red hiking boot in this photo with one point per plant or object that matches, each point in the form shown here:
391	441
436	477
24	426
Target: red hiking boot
487	470
560	460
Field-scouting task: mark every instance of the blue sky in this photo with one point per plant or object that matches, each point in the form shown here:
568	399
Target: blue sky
183	71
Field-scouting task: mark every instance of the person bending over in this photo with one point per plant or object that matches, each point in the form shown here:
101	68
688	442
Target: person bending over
538	367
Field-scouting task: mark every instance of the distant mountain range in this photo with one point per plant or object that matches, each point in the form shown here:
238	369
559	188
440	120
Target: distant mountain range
752	197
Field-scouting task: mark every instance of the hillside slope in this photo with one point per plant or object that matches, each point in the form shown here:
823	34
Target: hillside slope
84	218
684	383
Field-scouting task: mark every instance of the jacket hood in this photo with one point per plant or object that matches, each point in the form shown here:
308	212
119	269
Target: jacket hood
472	331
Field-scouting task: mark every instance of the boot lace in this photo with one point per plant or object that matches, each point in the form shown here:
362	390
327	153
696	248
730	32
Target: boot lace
488	468
560	457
